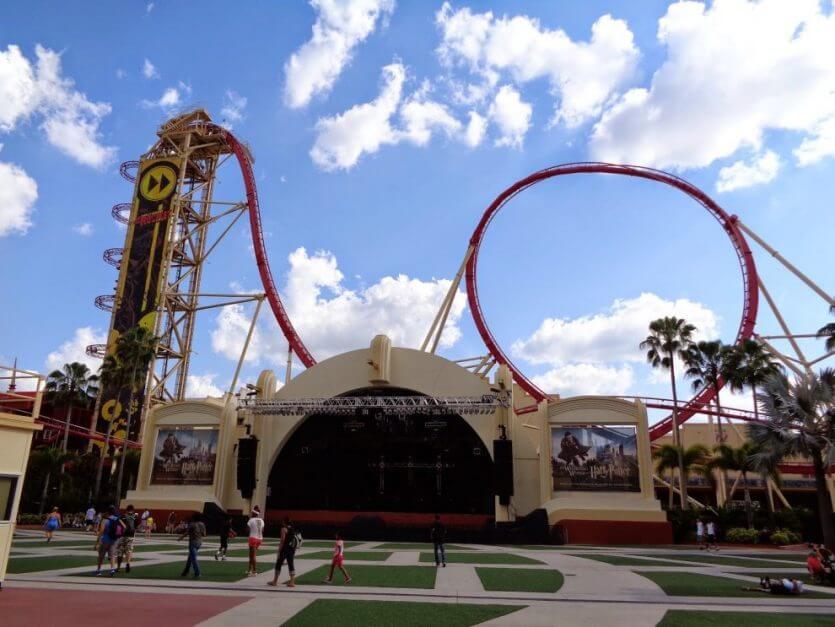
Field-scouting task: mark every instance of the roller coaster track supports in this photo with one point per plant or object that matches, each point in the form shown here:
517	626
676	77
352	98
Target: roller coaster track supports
438	324
249	333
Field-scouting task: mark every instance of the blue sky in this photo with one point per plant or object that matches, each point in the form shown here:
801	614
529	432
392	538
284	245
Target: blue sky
382	130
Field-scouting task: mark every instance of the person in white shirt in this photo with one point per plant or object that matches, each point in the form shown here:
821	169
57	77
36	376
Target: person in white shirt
700	533
90	519
711	535
256	537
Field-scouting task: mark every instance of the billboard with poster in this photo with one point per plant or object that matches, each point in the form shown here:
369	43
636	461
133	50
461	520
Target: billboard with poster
184	457
595	458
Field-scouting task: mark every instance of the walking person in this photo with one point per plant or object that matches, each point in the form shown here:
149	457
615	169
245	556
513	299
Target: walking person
53	522
700	533
90	519
338	560
107	538
438	536
256	537
125	547
171	523
195	531
226	532
711	535
287	546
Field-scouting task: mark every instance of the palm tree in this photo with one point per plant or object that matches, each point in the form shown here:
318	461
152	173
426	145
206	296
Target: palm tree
801	421
111	375
828	331
741	460
670	337
667	457
749	365
666	460
134	351
73	384
769	468
706	362
49	461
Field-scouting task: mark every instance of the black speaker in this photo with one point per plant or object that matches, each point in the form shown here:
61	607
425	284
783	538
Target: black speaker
247	453
503	470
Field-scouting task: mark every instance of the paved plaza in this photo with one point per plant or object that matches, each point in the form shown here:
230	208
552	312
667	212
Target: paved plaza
397	583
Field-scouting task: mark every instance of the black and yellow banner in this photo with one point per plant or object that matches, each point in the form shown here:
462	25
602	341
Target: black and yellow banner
140	281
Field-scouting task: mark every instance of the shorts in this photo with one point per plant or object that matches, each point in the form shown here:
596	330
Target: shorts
711	537
338	560
125	545
107	549
89	522
52	524
254	543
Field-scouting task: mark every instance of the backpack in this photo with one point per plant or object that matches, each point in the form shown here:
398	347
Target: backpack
295	540
114	534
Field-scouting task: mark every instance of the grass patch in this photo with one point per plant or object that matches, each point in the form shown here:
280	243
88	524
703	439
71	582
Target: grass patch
722	560
780	557
210	570
37	564
359	556
420	546
376	576
480	558
540	547
627	560
263	551
396	613
700	618
327	544
699	585
520	579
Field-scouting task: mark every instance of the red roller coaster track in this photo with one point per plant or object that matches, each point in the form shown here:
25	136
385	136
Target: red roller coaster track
245	163
728	223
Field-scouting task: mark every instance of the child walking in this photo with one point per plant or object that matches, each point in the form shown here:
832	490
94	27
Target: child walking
338	560
226	532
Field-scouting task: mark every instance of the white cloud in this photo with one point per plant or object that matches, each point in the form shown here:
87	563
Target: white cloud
582	75
229	335
233	107
69	120
148	70
18	193
734	71
120	74
202	385
578	379
149	7
341	25
74	349
821	144
476	128
84	229
611	336
342	139
512	115
762	169
170	99
332	318
422	116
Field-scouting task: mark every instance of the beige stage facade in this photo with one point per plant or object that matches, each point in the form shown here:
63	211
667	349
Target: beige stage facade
580	467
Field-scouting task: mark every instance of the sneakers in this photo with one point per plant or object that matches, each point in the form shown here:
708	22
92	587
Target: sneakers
328	581
444	564
112	572
349	580
216	556
98	573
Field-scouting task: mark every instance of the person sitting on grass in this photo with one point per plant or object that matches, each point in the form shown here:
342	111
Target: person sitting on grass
338	560
778	586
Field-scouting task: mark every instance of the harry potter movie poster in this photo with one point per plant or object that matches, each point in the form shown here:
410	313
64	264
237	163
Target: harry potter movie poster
595	458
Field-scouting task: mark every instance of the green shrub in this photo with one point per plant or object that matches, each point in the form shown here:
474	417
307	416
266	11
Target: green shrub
742	535
684	523
784	536
30	519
